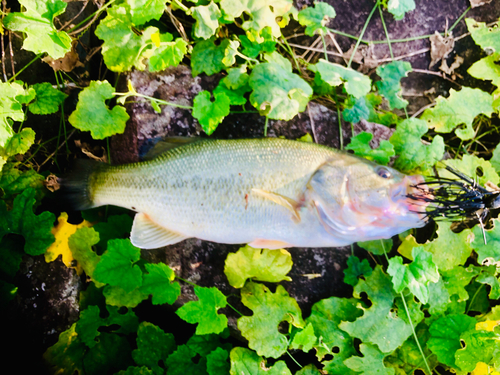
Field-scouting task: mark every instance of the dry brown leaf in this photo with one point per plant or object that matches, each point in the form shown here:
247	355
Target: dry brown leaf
478	3
52	183
85	148
440	47
67	63
450	70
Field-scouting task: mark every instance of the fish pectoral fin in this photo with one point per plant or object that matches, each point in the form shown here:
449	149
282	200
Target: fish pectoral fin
286	202
146	234
269	244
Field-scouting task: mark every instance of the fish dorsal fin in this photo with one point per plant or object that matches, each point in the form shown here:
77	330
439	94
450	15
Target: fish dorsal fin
168	144
286	202
146	234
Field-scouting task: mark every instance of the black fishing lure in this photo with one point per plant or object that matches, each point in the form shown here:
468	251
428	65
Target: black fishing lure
456	199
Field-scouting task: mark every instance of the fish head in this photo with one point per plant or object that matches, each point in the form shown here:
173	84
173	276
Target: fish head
354	196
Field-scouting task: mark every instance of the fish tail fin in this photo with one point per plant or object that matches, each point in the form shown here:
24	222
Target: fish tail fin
75	189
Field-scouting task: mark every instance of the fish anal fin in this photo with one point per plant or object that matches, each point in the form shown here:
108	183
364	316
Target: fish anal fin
286	202
269	244
146	234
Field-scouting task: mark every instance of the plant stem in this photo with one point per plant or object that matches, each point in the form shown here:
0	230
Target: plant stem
324	45
459	19
231	306
409	319
100	10
386	32
24	67
293	359
265	126
286	46
362	33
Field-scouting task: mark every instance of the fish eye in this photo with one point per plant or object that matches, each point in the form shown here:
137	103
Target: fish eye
384	172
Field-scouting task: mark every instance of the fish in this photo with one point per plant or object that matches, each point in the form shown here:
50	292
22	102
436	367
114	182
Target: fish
269	193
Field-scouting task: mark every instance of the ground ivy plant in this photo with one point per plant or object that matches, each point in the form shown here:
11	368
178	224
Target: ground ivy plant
431	309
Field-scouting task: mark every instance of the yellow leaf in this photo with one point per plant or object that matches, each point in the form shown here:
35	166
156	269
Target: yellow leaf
488	325
155	38
62	231
483	369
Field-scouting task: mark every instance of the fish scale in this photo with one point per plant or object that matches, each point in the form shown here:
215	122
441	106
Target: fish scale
238	191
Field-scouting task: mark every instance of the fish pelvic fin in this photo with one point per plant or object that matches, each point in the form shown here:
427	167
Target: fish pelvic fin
286	202
75	193
269	244
146	234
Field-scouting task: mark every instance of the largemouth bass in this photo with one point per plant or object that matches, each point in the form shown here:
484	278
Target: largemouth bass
270	193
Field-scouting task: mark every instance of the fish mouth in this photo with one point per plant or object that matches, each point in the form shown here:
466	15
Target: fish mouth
414	196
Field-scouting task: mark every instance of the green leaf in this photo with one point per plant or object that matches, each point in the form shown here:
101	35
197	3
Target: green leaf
123	48
485	36
116	226
305	339
92	114
19	143
355	83
379	324
461	107
217	363
36	229
377	247
326	315
277	93
269	310
372	361
254	43
80	244
360	144
207	20
111	352
398	8
413	154
445	336
456	279
235	85
416	276
316	18
487	69
116	266
263	265
261	13
90	321
209	58
180	363
13	181
480	346
117	296
310	369
158	282
168	54
490	250
153	345
390	86
488	276
206	344
278	59
210	114
476	168
135	370
355	269
66	356
204	311
12	96
142	11
11	255
439	297
47	100
37	23
245	361
457	245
